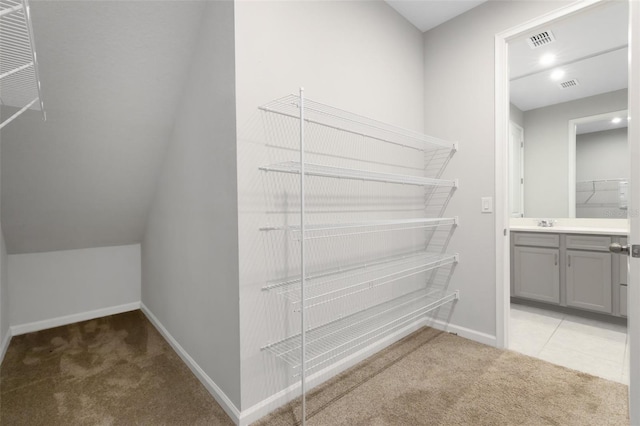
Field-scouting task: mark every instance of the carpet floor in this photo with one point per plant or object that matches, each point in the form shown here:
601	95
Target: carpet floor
118	370
435	378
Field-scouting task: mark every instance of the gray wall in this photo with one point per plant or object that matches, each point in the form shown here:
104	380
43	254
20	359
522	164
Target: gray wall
516	115
360	56
546	155
189	249
50	285
601	156
4	286
460	104
4	291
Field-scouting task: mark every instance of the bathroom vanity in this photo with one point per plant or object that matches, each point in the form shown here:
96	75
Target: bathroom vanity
570	266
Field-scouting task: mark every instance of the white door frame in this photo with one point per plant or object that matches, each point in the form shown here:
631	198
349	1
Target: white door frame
521	161
633	279
501	189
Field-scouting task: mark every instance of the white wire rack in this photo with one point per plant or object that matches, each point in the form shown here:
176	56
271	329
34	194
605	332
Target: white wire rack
397	263
335	118
601	193
339	283
347	229
336	340
343	173
19	79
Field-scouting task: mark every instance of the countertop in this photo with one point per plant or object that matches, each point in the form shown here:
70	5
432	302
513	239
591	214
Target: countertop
570	230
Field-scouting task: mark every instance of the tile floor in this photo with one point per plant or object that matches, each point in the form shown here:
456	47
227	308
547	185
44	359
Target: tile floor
591	346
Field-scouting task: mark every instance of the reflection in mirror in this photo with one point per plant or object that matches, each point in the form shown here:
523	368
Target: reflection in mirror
602	169
579	71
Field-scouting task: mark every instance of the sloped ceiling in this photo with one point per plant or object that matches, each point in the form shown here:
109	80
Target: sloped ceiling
112	75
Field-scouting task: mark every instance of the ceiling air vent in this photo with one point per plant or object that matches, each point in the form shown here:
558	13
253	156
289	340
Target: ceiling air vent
569	83
541	39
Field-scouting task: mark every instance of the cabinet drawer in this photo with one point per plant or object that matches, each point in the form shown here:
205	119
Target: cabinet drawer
588	242
536	239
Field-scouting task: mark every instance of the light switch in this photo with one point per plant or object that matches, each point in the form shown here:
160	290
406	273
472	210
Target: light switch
487	205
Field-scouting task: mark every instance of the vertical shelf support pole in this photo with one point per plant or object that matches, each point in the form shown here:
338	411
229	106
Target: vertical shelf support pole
303	311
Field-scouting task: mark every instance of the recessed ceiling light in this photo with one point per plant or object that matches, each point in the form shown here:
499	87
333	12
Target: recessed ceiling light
557	74
616	120
547	59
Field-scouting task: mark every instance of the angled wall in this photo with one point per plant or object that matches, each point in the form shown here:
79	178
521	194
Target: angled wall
4	298
189	249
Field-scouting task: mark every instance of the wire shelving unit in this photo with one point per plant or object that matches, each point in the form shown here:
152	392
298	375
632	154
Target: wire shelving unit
326	343
332	285
329	230
343	173
338	339
19	78
338	119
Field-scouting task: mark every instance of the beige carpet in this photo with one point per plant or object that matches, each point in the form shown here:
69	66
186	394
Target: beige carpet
119	371
116	370
435	378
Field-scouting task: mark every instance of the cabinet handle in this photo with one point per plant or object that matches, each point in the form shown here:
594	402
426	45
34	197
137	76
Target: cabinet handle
555	259
569	258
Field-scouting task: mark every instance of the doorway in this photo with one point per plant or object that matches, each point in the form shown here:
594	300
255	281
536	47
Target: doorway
503	193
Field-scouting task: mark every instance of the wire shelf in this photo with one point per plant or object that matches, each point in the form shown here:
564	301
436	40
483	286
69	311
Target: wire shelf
348	229
293	167
328	286
338	339
328	116
19	82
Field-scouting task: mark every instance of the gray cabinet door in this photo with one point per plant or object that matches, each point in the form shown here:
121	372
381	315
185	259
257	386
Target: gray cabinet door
589	280
537	273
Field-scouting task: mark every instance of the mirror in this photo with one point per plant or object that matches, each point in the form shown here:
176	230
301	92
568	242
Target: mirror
600	154
566	79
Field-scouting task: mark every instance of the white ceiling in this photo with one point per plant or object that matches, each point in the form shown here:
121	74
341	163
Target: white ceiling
590	47
602	125
112	76
427	14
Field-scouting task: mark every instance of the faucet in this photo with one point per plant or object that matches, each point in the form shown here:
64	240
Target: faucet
546	223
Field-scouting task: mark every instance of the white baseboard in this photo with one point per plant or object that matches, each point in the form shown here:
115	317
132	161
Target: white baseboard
262	408
271	403
5	345
70	319
467	333
227	405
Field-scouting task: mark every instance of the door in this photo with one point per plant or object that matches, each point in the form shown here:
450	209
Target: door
516	170
589	280
536	273
633	288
